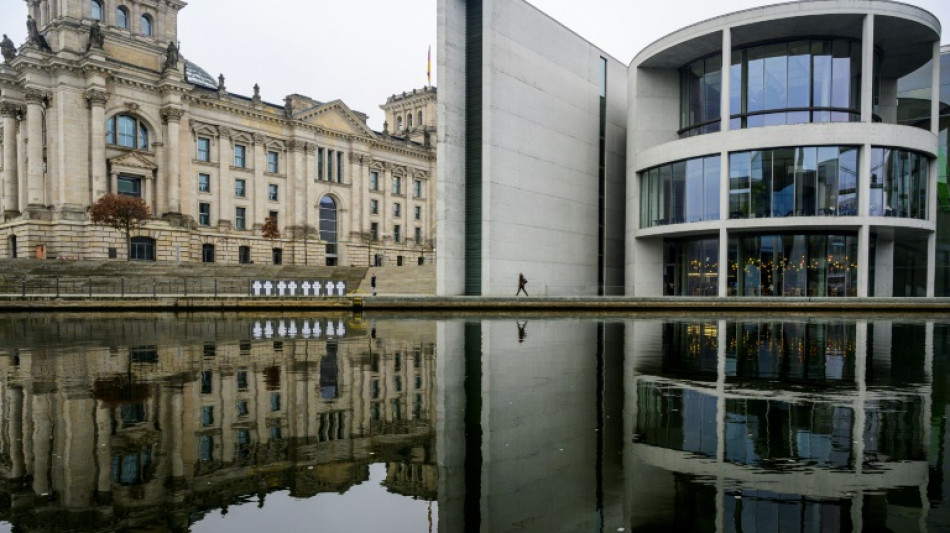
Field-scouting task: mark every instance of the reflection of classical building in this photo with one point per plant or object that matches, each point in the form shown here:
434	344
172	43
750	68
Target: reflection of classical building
148	429
110	106
811	423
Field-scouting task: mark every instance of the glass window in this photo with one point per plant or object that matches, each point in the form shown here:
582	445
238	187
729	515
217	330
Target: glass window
207	416
684	191
397	185
328	228
239	218
127	131
240	188
373	180
129	186
691	267
339	167
397	210
204	183
204	214
418	235
244	255
700	88
374	230
240	152
417	188
272	162
417	212
374	207
143	249
122	17
207	256
204	149
96	13
320	174
397	233
146	24
901	190
272	192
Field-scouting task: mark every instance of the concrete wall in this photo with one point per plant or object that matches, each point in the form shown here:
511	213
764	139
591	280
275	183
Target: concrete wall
540	148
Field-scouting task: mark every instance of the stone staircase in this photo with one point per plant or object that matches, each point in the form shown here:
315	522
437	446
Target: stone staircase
404	280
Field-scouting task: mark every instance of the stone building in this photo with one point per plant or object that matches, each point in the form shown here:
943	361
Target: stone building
98	100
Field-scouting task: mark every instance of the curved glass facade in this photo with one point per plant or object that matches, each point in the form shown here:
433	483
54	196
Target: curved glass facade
899	181
691	267
685	191
796	82
793	265
803	181
700	96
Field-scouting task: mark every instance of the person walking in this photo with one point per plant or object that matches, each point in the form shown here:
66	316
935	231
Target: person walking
372	282
522	281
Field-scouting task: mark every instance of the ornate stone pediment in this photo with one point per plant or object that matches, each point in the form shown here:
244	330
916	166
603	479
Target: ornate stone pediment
336	116
132	162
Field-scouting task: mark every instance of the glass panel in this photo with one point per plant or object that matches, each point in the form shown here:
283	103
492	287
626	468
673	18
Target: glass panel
712	81
776	82
827	180
821	81
739	172
735	89
127	127
143	137
783	182
694	190
755	86
841	80
665	183
806	175
877	182
848	182
761	184
711	169
677	193
799	81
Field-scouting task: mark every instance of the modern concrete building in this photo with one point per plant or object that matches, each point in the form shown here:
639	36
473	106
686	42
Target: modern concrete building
530	156
99	100
786	150
787	173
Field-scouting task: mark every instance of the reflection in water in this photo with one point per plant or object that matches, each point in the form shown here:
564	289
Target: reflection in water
155	422
794	424
643	424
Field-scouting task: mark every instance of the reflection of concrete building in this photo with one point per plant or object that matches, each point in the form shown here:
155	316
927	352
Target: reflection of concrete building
151	429
767	152
793	422
109	106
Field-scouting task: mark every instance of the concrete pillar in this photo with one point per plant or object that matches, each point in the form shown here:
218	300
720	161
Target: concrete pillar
36	167
931	263
99	180
864	256
172	117
11	193
864	181
884	267
258	190
935	92
725	109
867	68
723	271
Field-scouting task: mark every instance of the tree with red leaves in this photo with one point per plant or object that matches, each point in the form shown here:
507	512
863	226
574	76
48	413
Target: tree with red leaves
124	213
269	229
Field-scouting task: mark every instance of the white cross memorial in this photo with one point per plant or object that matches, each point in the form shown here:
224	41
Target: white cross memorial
329	288
257	331
340	330
317	331
330	331
268	329
292	330
306	288
340	288
316	288
281	329
257	287
281	286
292	287
267	288
306	329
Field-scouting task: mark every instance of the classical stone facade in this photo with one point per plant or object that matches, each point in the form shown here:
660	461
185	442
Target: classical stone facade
98	100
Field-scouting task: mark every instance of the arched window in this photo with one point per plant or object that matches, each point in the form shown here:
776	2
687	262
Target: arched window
122	17
328	229
399	123
146	25
96	10
127	131
419	121
409	121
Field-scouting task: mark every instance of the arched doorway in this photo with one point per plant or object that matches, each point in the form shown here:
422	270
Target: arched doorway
328	228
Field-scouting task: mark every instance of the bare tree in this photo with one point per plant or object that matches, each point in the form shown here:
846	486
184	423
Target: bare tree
121	212
305	232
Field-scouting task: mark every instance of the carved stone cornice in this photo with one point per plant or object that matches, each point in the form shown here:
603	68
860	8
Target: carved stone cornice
258	138
294	145
224	131
10	110
310	148
97	97
36	96
172	114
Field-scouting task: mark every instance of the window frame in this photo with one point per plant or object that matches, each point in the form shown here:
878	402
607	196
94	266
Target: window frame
132	180
240	156
204	182
203	153
240	218
146	25
272	192
273	159
204	214
124	126
122	17
373	206
240	188
96	11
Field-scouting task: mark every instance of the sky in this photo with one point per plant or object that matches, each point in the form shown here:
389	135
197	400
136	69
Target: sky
363	51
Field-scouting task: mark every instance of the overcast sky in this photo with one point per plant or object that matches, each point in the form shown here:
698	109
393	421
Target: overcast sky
362	51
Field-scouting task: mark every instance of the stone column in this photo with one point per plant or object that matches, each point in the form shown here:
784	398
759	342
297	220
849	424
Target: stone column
11	192
99	180
725	107
296	193
172	118
225	182
35	104
258	189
